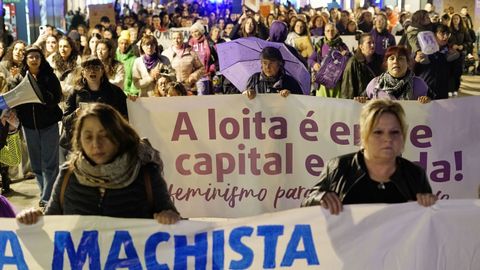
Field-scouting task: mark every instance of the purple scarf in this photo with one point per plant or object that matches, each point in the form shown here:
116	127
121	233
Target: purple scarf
6	210
150	61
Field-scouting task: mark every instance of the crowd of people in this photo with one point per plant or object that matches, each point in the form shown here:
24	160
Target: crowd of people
87	74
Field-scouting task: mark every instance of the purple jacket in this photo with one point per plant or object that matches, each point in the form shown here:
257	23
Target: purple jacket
382	41
420	88
6	209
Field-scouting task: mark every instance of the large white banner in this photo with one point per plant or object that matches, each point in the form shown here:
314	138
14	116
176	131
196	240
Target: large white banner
227	156
402	236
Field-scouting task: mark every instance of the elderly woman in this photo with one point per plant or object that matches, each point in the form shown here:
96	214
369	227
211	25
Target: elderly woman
361	68
148	68
382	38
111	172
272	78
207	53
331	41
377	173
398	82
186	63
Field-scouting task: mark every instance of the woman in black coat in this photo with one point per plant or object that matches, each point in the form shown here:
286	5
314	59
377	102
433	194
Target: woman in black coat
92	86
40	121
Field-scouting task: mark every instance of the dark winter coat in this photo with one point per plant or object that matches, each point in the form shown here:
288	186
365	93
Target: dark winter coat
358	73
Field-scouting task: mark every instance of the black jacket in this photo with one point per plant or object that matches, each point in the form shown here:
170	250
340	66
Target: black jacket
262	85
108	94
39	116
358	73
127	202
342	173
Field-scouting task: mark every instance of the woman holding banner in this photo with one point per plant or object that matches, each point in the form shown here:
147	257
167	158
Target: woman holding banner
111	172
377	173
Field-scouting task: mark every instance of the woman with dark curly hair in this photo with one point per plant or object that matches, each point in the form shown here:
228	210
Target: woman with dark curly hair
65	63
12	62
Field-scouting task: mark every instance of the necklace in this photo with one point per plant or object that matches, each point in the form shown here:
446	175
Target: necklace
381	186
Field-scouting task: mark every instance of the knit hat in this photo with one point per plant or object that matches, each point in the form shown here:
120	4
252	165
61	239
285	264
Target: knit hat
125	34
197	26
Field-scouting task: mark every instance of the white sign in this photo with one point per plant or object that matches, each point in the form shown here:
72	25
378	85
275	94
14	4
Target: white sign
227	156
402	236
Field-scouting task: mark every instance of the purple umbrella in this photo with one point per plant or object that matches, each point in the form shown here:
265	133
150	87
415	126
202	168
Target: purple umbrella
240	58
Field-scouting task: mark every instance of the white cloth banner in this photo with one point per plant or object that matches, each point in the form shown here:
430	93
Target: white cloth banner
227	156
402	236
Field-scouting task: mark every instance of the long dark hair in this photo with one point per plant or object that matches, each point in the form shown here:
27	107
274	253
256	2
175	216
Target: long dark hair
71	62
119	131
8	58
111	64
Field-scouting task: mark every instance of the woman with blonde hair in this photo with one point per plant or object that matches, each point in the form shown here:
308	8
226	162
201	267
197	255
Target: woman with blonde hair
377	173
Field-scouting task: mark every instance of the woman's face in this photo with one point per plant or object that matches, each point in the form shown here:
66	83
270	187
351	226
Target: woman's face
249	26
34	60
386	140
83	41
442	38
96	143
92	44
330	32
215	33
299	27
351	27
367	47
51	44
148	48
107	34
18	52
2	49
162	86
196	34
64	48
318	22
270	67
102	51
93	74
456	20
177	38
380	23
397	65
221	24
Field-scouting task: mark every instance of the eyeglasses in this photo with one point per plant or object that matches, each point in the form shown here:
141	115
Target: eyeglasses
93	68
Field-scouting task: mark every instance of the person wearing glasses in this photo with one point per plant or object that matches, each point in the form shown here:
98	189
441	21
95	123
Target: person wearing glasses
92	86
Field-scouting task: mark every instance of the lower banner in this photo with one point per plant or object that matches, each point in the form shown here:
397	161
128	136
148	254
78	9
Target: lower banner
228	156
402	236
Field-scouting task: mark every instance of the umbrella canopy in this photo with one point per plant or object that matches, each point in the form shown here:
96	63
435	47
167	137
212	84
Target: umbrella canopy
240	58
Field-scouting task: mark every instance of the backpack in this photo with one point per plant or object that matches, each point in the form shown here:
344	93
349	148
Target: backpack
331	69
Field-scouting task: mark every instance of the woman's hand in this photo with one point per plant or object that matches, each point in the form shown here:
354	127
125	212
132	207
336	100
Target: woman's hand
155	73
251	94
419	57
29	216
14	71
316	67
423	99
132	97
426	199
331	201
284	93
167	217
361	99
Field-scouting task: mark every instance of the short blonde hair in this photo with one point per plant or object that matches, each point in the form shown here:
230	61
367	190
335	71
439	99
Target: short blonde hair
372	111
